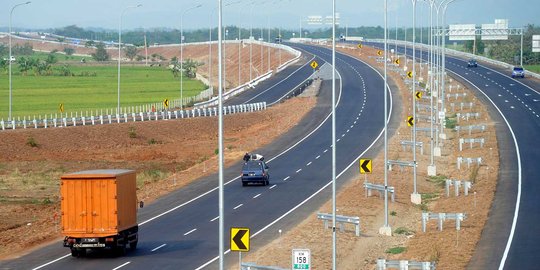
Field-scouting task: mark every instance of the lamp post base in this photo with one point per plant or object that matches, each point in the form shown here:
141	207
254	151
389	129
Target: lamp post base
385	231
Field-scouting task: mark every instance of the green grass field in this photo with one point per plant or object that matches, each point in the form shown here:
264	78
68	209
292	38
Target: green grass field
35	95
60	57
533	68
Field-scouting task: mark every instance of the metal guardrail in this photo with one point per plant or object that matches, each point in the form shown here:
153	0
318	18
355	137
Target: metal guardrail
469	161
400	163
253	266
124	118
426	130
404	145
466	116
455	95
471	142
424	117
341	220
383	264
441	217
468	105
457	184
380	188
471	128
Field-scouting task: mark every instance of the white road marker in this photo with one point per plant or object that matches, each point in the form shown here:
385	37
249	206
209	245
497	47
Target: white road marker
214	219
299	170
122	265
189	232
272	187
309	163
158	247
238	206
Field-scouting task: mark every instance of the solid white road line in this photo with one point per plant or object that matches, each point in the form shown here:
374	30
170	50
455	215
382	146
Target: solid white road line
238	206
158	247
189	232
53	261
121	265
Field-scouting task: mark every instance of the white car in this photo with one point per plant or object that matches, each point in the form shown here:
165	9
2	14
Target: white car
12	58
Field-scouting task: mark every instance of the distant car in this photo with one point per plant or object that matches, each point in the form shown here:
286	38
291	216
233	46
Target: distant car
12	59
518	72
255	171
472	63
278	39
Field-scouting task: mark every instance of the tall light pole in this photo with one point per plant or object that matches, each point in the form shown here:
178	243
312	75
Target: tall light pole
120	50
220	138
385	229
444	58
432	169
210	43
415	197
9	59
334	135
182	54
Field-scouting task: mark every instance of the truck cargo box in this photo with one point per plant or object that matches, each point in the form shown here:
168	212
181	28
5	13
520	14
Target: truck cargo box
98	203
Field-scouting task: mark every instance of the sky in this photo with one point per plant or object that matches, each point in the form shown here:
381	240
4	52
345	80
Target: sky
288	14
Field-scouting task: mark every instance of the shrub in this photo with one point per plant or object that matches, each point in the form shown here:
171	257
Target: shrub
31	142
396	250
132	133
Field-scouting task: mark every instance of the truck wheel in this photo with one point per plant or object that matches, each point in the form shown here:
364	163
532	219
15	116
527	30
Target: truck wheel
121	250
75	253
133	245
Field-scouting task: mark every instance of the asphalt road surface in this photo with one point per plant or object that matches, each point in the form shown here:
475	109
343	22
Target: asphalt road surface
180	231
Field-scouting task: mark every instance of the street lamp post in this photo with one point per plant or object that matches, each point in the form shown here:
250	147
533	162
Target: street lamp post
182	54
120	51
9	59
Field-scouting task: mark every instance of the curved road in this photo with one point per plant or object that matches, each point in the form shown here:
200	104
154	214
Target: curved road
181	229
510	238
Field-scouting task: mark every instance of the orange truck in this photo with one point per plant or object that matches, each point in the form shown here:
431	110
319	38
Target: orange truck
99	211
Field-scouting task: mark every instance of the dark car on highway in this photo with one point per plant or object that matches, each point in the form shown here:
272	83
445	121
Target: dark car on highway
518	72
472	63
255	171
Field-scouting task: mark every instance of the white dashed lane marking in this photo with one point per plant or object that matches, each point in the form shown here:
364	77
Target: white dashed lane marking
190	232
158	247
255	197
214	219
238	206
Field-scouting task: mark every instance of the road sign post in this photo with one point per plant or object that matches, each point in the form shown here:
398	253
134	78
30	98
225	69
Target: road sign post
301	259
240	239
365	167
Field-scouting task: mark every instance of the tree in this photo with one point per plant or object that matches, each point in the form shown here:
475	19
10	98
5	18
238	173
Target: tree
89	44
3	64
51	59
131	52
100	54
25	64
190	68
69	51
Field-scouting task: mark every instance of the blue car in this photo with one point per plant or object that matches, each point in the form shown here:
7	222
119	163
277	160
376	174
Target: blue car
255	171
518	72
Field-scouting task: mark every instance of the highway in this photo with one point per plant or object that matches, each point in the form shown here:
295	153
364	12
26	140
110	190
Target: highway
510	239
180	231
